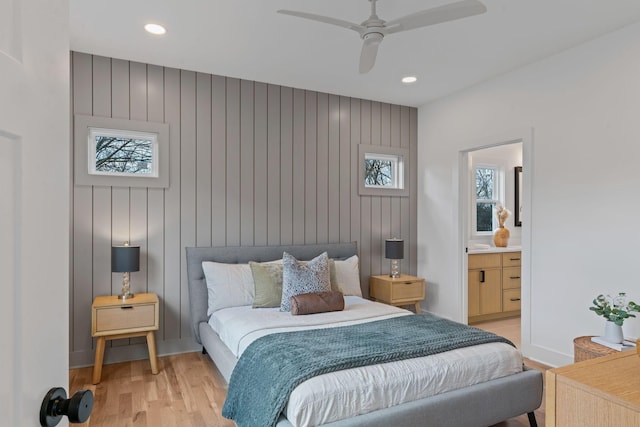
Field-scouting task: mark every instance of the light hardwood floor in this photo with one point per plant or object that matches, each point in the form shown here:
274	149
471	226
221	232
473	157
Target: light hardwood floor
510	329
189	391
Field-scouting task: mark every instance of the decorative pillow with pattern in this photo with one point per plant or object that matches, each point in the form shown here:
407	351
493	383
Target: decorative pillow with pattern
303	277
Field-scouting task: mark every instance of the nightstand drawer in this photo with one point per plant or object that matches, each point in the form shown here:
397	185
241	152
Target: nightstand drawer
511	300
511	278
409	290
125	317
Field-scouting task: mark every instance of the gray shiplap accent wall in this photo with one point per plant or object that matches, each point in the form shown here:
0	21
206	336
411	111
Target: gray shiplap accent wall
251	164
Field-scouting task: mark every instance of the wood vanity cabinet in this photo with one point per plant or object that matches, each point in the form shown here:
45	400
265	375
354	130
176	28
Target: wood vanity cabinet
494	285
485	284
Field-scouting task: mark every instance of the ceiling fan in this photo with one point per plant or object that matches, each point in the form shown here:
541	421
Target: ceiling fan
374	29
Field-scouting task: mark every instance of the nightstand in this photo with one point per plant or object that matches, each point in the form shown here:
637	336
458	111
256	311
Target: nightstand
113	318
399	291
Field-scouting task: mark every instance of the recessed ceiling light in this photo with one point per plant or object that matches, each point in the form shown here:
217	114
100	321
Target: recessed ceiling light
155	29
409	79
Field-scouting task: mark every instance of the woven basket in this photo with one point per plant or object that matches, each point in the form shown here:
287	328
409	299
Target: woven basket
585	349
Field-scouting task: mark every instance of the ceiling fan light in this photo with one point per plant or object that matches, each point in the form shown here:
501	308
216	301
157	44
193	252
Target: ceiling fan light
409	79
155	29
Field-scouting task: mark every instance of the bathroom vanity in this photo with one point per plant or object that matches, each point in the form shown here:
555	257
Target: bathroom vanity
493	283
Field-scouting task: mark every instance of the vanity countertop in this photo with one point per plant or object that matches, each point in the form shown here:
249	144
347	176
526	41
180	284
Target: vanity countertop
493	249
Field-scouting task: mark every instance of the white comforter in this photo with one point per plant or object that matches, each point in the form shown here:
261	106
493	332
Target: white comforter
343	394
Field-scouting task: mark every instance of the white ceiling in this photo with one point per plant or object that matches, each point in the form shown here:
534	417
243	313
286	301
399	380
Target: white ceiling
248	39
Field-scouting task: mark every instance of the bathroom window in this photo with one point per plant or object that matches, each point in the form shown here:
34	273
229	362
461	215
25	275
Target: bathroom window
486	196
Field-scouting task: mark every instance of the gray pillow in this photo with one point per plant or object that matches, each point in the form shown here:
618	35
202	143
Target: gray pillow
303	277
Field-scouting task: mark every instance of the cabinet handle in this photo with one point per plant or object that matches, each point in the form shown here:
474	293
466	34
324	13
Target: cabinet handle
408	283
514	277
515	299
126	307
481	276
514	259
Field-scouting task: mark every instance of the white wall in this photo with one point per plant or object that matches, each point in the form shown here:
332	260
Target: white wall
584	108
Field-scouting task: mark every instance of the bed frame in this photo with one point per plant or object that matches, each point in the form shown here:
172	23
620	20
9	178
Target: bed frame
478	405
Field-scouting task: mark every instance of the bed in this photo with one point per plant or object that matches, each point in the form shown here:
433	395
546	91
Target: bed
479	404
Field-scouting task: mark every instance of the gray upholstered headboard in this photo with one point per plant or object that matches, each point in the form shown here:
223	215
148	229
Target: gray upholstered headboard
242	254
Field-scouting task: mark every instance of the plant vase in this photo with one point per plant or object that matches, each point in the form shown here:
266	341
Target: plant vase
501	237
613	333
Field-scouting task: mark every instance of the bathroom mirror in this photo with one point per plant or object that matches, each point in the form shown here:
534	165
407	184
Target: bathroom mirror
517	219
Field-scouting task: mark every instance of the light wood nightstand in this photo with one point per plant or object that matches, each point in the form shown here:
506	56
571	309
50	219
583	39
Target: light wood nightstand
112	318
403	290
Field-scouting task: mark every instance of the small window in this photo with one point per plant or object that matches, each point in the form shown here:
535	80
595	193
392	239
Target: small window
486	197
123	153
383	170
120	152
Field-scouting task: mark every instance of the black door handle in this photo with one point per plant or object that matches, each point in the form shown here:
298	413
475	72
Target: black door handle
481	276
55	405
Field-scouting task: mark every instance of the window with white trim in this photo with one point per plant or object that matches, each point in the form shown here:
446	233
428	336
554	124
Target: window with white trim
383	171
486	194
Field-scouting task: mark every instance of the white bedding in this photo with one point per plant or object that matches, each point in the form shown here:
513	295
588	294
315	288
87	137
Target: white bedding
343	394
240	326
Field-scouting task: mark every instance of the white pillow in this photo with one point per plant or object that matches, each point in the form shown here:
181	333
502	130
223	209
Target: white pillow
348	276
228	285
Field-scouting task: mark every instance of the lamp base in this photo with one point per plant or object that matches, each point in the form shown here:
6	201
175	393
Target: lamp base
395	269
125	292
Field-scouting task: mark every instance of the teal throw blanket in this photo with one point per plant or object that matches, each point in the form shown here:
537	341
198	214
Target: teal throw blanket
272	366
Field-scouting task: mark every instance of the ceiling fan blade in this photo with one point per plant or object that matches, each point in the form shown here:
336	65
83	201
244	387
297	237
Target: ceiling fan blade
369	52
326	19
436	15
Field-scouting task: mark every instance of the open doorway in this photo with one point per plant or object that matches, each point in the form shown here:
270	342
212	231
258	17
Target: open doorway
491	173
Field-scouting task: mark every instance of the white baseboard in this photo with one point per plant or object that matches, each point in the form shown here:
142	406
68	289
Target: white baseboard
546	356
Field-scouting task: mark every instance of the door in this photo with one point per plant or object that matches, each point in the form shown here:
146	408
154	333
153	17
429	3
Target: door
34	205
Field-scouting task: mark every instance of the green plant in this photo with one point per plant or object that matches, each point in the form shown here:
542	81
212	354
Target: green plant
614	309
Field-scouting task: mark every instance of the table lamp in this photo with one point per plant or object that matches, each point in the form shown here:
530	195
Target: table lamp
394	250
124	259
